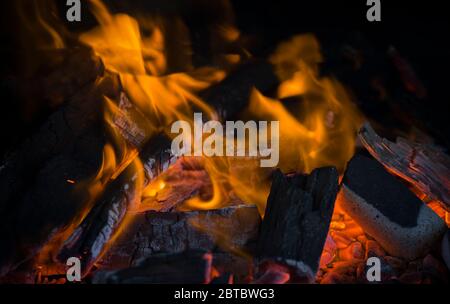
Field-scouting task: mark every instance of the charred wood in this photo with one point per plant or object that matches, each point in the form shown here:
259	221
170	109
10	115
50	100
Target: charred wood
297	219
39	181
227	98
232	229
191	267
425	167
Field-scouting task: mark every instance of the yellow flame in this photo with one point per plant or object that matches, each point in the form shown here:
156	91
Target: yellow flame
141	63
319	131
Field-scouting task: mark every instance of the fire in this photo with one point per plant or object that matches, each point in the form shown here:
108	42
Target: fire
319	131
141	63
318	124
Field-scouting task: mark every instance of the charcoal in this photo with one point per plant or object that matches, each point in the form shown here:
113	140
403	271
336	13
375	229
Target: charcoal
425	167
297	219
191	267
152	233
90	239
38	182
387	210
228	98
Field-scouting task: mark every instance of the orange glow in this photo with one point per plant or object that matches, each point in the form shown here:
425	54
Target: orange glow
320	131
141	63
318	128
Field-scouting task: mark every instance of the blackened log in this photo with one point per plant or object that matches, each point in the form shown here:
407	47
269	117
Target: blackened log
38	182
232	229
65	130
387	210
232	95
191	267
297	219
228	98
90	239
425	167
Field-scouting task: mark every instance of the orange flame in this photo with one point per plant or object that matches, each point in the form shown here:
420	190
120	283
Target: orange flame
319	131
317	128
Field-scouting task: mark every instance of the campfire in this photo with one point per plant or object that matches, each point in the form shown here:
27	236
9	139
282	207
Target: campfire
100	181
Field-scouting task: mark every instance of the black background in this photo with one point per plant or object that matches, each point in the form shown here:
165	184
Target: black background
419	30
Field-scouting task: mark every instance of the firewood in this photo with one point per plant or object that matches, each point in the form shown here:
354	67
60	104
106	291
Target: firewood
90	238
38	182
191	267
297	219
387	210
77	129
232	229
227	98
425	167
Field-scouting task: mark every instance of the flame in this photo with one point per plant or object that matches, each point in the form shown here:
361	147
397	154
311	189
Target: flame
319	131
318	128
39	21
141	63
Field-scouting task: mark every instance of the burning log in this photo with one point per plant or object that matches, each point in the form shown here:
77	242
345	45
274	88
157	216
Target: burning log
39	181
425	167
231	229
191	267
387	210
227	98
297	219
91	237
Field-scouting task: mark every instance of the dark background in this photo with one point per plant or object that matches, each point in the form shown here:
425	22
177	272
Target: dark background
419	30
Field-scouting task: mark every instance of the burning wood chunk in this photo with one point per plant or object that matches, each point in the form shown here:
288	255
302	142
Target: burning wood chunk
89	239
425	167
387	210
297	219
38	182
96	231
231	229
75	68
191	267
